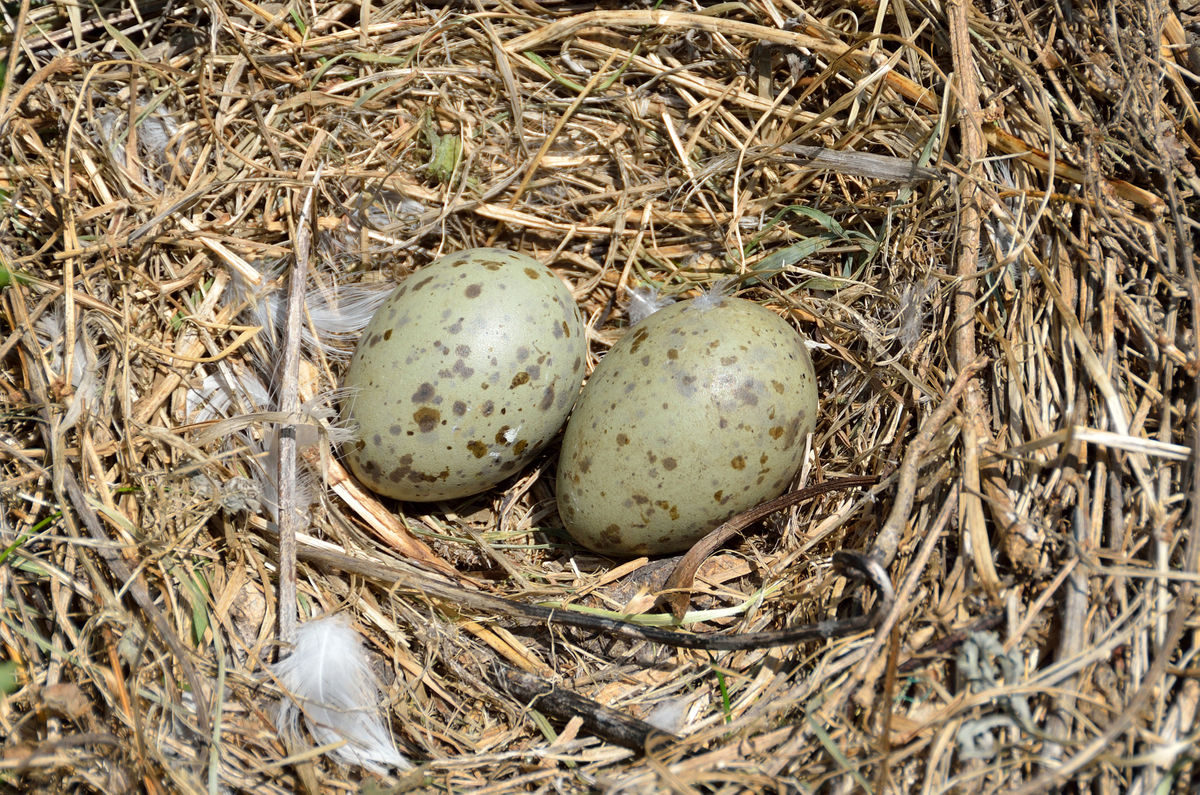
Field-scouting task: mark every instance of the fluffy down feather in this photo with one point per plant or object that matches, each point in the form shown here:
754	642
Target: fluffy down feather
643	302
328	679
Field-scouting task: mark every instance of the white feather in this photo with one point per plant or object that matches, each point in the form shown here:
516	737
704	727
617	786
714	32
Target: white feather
85	364
328	679
715	295
671	714
338	315
158	142
643	302
220	389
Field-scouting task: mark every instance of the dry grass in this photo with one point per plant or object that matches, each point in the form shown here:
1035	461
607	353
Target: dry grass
152	155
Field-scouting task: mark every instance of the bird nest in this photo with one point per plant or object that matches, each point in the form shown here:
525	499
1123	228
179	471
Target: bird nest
979	215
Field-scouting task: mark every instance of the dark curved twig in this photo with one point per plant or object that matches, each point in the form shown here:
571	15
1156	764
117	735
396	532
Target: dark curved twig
419	582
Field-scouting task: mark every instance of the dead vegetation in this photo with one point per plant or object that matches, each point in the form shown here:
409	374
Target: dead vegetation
921	189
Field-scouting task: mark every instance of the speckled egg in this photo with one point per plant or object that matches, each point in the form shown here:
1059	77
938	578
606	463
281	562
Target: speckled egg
698	413
465	372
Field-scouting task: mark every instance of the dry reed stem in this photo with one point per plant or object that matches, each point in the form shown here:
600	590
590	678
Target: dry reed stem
975	431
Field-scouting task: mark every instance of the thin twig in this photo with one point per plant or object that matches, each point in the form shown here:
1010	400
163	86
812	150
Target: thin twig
887	541
975	429
290	518
677	592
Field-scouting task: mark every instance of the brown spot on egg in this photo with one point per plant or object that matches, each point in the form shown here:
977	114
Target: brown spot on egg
459	408
672	510
520	446
778	387
487	408
473	290
673	354
531	273
639	337
641	499
500	435
669	464
728	361
422	283
424	393
428	478
622	439
738	462
359	445
387	335
585	464
518	379
566	329
477	448
776	432
612	535
718	494
426	418
462	350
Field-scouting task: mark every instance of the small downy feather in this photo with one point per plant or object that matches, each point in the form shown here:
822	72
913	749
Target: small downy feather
338	314
644	301
328	679
318	419
715	295
222	390
86	366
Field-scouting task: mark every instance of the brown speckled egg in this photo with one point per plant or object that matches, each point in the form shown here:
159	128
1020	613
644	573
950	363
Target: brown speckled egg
699	412
463	375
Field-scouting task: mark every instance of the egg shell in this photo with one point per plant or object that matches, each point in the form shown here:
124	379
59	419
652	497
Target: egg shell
467	370
698	413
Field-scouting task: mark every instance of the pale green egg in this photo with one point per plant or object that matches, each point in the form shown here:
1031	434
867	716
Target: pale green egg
699	412
464	374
